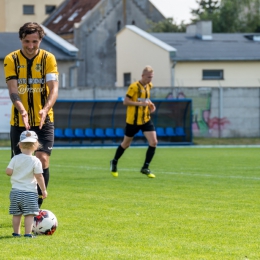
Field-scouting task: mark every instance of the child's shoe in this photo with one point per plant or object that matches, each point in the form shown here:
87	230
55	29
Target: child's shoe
16	235
29	235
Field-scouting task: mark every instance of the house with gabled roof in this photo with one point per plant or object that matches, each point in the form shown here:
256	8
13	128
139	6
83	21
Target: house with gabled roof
197	58
91	25
219	71
139	49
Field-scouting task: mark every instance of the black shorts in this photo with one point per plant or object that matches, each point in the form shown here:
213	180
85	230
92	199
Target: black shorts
131	130
45	137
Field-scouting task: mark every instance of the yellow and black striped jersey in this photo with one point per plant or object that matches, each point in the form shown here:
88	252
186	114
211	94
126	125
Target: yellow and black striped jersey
138	115
31	82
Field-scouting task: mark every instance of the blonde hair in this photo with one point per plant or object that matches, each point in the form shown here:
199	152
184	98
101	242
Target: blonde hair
147	68
29	145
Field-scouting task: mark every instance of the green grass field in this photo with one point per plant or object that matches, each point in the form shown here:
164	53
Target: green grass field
202	205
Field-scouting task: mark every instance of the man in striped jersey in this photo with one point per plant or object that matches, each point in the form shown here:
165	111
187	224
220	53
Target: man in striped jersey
32	79
138	117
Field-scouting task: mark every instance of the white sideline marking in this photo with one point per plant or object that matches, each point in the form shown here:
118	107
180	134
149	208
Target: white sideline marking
158	147
173	173
138	170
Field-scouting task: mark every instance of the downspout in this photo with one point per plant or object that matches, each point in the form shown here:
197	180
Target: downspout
71	69
259	107
173	77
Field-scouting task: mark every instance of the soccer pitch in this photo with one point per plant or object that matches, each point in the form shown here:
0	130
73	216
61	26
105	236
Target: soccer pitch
203	204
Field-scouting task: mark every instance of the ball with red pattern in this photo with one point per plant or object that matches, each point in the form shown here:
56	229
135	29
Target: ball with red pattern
45	223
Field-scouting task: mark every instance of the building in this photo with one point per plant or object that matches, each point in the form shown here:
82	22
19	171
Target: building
62	20
92	25
197	58
219	72
13	13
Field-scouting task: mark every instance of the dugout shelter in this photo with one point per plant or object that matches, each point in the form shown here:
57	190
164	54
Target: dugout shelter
102	122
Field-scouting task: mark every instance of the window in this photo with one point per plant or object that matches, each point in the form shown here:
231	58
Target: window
127	79
49	9
28	9
212	74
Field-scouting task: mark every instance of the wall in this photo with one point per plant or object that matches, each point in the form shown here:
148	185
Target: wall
236	74
235	112
2	75
2	16
217	112
15	18
95	38
134	52
64	69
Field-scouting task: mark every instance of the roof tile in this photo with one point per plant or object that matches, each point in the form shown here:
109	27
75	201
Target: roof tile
70	12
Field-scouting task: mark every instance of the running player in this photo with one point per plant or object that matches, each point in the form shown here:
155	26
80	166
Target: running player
139	106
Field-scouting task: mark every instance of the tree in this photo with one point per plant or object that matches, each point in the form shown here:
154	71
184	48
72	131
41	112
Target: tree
166	25
228	20
207	10
206	7
239	16
229	15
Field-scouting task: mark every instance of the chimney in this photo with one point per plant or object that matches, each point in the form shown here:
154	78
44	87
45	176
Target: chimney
204	30
201	30
191	29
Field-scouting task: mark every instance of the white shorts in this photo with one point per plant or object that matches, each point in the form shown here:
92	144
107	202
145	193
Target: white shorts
23	203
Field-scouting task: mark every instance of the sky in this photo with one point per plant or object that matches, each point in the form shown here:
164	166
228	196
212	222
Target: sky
177	9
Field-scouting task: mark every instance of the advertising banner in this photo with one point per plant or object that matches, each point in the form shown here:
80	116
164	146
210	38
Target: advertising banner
5	111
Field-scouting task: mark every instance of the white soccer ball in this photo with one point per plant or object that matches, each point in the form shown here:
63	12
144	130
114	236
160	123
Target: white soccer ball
45	223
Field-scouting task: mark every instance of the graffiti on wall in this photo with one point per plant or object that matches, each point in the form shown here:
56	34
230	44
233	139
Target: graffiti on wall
203	123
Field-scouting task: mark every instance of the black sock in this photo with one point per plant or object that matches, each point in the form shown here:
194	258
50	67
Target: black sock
119	152
46	176
149	156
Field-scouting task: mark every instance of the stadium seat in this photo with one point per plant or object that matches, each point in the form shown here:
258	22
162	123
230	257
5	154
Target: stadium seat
179	131
58	133
79	133
109	132
68	132
160	132
120	132
139	134
89	133
99	132
169	131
